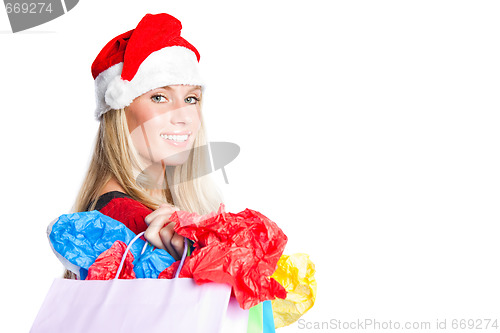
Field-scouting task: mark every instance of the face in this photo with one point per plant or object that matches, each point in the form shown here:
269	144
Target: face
164	123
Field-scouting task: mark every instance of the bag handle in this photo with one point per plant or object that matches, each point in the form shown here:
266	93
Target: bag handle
184	254
122	262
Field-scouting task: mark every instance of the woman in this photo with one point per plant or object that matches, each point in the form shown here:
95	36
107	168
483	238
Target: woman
150	160
148	156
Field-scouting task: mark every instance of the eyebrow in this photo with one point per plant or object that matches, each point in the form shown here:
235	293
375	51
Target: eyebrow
193	88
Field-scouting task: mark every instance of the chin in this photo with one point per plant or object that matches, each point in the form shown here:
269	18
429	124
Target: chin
176	160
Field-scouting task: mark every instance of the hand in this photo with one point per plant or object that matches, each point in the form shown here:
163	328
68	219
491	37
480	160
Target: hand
160	231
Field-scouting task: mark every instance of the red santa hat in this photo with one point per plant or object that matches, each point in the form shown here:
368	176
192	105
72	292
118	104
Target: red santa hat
150	56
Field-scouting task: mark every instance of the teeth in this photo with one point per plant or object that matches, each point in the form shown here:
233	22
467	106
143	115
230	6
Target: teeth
178	138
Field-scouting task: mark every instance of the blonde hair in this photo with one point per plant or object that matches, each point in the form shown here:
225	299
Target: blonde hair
188	186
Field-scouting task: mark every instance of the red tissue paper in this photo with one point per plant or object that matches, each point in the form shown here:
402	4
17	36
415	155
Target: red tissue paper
240	249
107	263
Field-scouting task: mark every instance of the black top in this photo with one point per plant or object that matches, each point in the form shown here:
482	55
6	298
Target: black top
104	199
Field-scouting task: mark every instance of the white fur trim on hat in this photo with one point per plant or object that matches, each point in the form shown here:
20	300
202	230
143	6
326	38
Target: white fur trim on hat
168	66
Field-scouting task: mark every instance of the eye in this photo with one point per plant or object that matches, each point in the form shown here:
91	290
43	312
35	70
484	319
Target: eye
157	98
192	100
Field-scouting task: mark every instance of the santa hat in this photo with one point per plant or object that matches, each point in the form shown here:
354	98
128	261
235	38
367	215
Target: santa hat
150	56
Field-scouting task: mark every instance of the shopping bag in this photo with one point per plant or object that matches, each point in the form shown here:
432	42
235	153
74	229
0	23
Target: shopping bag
260	318
139	305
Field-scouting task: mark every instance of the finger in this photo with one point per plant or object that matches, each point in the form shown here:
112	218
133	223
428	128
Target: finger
164	209
154	238
152	233
166	234
163	214
157	223
177	242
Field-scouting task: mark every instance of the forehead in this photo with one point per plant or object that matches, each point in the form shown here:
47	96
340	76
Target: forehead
181	88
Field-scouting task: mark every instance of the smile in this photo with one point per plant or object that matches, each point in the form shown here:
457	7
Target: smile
176	138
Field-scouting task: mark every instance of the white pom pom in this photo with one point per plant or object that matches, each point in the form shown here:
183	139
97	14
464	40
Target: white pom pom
116	95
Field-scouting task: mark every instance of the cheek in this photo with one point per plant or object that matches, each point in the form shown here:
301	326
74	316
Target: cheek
194	115
147	130
140	140
144	132
138	115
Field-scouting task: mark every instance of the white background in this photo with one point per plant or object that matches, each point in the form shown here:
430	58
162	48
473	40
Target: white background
369	131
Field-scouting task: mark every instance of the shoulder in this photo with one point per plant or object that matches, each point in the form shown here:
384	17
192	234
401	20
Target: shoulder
123	208
116	198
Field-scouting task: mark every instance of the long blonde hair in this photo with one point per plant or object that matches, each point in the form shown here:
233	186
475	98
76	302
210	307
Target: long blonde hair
191	188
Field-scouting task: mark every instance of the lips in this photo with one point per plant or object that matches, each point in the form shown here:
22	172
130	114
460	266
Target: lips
176	136
177	139
176	133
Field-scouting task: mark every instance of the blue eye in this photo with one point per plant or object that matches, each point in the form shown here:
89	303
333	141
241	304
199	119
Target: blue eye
192	100
158	98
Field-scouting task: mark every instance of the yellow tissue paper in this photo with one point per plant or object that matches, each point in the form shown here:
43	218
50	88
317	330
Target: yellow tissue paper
296	273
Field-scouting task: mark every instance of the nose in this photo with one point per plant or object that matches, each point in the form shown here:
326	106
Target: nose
182	114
